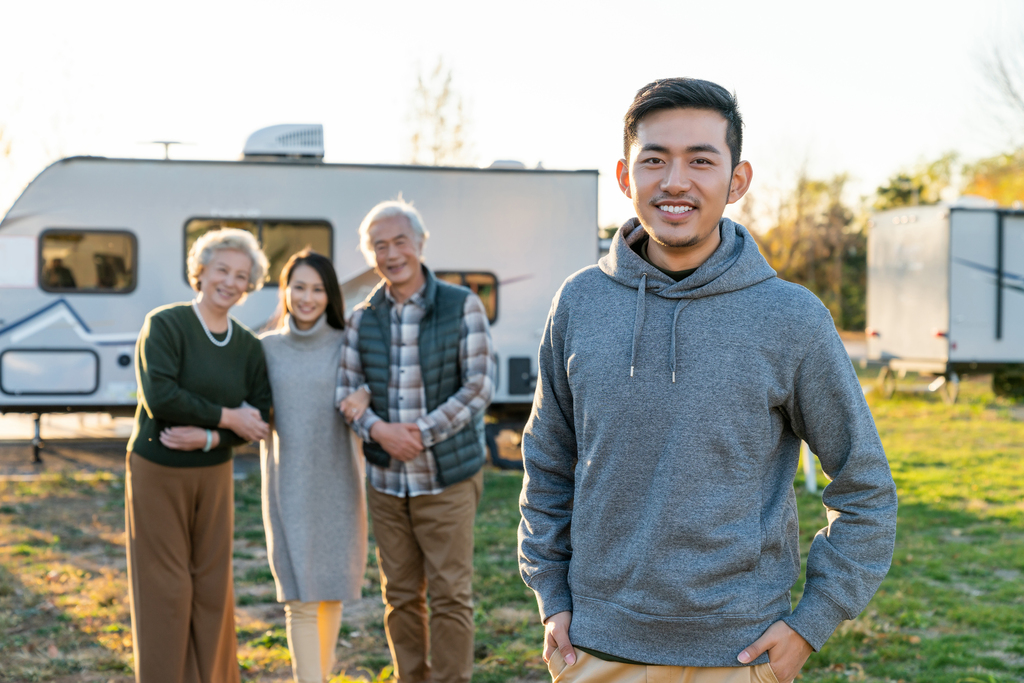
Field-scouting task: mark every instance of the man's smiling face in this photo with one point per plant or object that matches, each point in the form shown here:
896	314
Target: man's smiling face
680	177
397	250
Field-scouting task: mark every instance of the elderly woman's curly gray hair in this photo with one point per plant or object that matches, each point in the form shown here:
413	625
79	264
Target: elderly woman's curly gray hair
227	238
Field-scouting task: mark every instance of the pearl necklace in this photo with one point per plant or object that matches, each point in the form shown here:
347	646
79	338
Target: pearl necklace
195	307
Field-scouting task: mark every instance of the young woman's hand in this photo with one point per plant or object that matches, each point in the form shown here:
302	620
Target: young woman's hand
245	421
187	438
355	404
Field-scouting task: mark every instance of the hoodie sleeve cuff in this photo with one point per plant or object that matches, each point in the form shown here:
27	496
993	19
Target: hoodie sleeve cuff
553	595
815	618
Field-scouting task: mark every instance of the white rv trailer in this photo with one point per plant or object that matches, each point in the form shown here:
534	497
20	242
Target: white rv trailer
945	293
93	244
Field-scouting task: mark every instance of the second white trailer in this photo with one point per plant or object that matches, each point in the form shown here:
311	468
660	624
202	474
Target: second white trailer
946	293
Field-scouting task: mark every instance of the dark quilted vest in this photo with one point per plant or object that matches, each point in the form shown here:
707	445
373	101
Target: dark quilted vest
462	455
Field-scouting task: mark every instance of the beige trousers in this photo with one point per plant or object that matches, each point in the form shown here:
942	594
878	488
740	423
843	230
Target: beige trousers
425	545
312	629
179	523
590	669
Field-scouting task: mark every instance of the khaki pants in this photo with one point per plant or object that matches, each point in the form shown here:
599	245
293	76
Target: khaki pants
590	669
425	545
179	523
312	629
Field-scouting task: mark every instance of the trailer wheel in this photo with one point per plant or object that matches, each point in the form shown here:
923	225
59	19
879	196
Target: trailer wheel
886	382
1008	382
501	463
951	388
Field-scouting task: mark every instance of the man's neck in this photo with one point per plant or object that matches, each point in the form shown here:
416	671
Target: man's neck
404	291
683	258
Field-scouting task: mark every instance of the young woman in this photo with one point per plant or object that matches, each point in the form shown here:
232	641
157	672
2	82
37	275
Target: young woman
195	366
314	509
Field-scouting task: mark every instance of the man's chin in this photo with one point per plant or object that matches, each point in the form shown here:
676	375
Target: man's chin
676	241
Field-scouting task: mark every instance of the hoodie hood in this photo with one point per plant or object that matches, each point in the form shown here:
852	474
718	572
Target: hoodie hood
736	264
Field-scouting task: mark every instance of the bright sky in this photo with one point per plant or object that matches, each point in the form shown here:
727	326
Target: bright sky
865	88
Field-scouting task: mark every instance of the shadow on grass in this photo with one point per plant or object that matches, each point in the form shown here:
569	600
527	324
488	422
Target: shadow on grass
63	609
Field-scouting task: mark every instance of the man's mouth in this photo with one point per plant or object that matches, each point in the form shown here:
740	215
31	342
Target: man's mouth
674	206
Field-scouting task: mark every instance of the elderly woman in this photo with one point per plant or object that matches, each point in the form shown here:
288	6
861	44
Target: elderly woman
203	389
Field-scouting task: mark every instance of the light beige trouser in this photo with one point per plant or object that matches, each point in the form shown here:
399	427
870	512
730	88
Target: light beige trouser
425	544
179	523
312	629
590	669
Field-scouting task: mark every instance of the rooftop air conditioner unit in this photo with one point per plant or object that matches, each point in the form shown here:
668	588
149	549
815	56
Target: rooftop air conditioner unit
286	140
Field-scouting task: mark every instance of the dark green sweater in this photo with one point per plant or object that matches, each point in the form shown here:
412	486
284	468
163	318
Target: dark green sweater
186	380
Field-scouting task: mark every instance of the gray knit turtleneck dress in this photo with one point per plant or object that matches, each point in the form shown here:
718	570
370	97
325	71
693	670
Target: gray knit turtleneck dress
314	506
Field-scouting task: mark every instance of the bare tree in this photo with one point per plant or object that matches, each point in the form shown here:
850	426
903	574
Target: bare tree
5	142
439	120
1003	70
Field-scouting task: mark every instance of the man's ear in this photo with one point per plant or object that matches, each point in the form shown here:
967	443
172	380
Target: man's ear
622	173
741	177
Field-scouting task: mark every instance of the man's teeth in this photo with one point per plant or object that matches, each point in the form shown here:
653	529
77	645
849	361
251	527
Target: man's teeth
676	209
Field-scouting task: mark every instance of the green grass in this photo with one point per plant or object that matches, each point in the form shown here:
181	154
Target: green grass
952	606
950	611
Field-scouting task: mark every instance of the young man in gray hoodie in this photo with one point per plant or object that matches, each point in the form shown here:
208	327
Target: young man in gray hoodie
676	380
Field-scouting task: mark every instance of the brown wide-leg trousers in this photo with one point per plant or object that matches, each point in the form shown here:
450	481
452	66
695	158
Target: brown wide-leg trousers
179	523
425	545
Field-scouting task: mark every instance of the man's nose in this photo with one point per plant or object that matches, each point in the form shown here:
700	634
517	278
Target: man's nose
676	179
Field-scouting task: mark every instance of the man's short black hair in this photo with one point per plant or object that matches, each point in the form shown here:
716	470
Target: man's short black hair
685	93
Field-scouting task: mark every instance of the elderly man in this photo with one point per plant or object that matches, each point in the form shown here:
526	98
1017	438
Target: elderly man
423	347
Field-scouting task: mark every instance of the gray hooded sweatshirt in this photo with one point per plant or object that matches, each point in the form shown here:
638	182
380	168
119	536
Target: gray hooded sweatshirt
658	503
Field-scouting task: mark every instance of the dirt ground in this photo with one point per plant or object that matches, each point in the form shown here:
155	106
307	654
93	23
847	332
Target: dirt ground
63	591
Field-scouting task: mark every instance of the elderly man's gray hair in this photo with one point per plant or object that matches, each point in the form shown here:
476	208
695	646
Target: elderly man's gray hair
390	209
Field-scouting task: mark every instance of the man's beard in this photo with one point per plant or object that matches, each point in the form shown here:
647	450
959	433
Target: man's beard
690	241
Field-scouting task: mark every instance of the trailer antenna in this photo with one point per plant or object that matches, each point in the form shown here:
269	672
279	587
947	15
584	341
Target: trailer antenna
167	146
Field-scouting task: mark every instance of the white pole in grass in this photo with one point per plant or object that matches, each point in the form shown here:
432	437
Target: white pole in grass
810	471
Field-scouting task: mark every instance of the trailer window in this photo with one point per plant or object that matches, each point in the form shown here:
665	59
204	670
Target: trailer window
279	238
95	261
484	285
198	227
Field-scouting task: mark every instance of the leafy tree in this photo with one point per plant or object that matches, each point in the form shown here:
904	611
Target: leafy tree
816	240
999	178
923	184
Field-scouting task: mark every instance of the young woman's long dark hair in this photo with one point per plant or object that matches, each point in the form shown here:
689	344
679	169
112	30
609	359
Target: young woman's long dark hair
322	265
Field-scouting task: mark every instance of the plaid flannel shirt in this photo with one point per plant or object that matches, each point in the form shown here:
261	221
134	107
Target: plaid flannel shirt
406	395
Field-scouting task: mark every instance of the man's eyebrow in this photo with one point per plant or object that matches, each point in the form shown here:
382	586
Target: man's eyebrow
692	149
705	147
